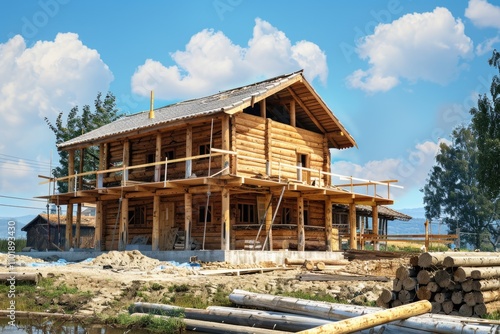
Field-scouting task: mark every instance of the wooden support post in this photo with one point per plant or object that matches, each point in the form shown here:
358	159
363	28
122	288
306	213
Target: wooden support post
268	146
157	176
99	226
69	228
123	230
375	226
188	219
155	237
328	224
301	235
263	108
78	224
373	319
226	144
126	161
71	171
103	163
189	151
352	226
226	220
326	163
292	113
269	221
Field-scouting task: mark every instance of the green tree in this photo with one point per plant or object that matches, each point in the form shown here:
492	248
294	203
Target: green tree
486	127
453	193
76	124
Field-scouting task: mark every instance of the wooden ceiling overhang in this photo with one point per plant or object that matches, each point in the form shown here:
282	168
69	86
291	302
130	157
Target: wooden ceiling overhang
203	185
311	111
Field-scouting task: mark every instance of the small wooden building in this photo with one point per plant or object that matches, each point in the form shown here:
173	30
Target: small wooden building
48	232
250	165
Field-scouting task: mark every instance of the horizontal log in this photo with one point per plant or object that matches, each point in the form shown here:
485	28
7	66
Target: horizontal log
17	277
457	297
404	272
443	278
328	262
486	272
423	293
485	285
372	320
215	327
428	323
435	259
485	308
387	295
471	261
409	283
447	306
487	296
466	310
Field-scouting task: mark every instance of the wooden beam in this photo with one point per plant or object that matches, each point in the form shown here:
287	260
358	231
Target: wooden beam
226	144
99	226
328	223
308	112
155	235
375	225
269	92
188	219
292	113
126	160
158	157
78	224
263	107
225	220
352	226
301	234
189	151
269	221
68	244
71	170
123	228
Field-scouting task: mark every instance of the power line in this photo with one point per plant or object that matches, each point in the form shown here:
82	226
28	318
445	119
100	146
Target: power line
23	207
25	159
23	198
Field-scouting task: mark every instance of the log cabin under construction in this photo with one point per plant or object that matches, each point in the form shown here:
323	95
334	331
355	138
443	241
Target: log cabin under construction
245	167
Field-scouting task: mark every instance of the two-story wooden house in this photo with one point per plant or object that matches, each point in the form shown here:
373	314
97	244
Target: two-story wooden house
247	166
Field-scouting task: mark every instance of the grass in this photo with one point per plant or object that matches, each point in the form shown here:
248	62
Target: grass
151	323
4	245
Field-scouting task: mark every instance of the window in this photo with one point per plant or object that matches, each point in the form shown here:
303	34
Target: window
170	155
204	149
247	213
286	216
202	212
137	216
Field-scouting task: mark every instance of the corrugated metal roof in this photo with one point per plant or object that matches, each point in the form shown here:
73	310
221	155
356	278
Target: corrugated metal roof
221	102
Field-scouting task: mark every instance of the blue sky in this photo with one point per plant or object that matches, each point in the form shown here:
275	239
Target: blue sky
400	75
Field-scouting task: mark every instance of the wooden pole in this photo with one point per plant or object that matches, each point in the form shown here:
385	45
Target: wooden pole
375	226
471	261
373	319
123	229
99	226
328	225
352	226
226	220
269	221
301	236
158	158
292	112
69	228
188	219
155	237
189	151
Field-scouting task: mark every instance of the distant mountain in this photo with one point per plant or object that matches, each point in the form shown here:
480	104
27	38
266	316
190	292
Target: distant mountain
20	222
414	226
413	212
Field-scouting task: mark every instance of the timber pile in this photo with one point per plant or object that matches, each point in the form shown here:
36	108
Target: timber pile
357	254
456	283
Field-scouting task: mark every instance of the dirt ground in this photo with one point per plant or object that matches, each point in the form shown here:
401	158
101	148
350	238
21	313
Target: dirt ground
117	279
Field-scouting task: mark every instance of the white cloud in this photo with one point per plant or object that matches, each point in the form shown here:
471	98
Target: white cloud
420	46
37	82
483	14
211	59
487	45
410	171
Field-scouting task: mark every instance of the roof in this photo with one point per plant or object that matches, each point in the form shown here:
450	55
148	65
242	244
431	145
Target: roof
383	211
232	101
86	221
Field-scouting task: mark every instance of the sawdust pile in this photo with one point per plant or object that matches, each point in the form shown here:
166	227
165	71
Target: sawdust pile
20	260
126	259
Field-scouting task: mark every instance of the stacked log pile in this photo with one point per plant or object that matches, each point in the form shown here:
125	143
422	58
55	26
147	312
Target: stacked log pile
456	283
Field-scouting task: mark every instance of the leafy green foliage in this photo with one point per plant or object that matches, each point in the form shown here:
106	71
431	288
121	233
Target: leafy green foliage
464	185
486	127
78	123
